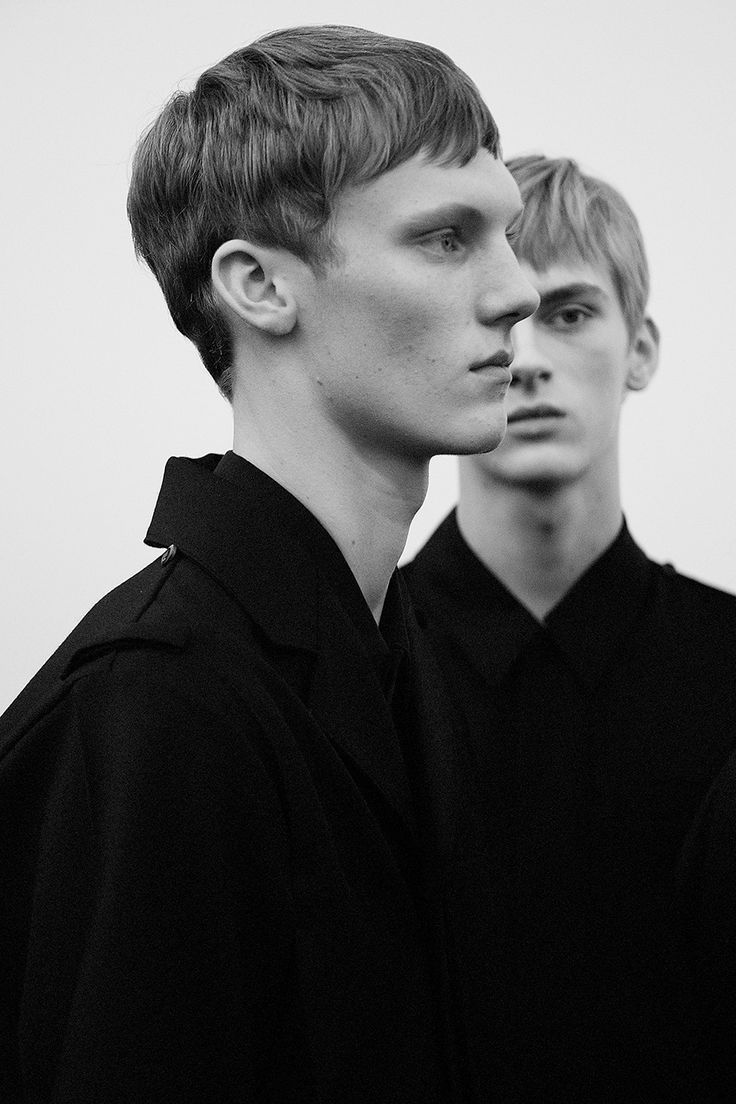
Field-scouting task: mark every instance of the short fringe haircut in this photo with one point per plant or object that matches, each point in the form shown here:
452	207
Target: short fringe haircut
568	213
264	144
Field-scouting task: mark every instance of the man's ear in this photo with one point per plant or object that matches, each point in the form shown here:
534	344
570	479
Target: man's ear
252	281
643	356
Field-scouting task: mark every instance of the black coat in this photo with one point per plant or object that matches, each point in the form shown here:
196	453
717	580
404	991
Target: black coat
226	876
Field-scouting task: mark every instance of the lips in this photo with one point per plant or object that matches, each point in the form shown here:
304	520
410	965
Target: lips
501	359
533	413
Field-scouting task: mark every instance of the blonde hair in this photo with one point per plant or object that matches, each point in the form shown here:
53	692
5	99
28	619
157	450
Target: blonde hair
568	213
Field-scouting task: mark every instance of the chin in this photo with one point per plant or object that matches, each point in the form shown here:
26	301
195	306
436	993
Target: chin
477	446
458	438
533	466
481	439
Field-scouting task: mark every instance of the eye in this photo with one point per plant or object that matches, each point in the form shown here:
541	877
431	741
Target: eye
569	317
442	242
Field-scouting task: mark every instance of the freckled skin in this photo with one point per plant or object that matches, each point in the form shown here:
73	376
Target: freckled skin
419	294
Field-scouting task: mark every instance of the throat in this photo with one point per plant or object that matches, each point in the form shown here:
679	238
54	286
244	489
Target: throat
366	504
538	547
371	546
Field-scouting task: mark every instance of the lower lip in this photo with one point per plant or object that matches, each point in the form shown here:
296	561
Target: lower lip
499	373
535	427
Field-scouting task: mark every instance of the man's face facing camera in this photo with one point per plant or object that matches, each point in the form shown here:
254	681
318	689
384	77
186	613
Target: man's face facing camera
574	361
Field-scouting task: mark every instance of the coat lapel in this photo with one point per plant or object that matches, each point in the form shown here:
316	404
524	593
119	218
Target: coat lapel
262	546
438	762
348	703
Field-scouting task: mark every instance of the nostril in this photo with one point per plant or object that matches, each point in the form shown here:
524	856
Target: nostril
528	376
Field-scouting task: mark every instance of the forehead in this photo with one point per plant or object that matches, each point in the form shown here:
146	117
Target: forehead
420	186
570	273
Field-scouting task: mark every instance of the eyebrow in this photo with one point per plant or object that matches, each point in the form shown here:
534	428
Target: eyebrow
446	213
564	292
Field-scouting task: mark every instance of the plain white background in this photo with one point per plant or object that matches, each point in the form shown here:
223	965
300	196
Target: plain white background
98	388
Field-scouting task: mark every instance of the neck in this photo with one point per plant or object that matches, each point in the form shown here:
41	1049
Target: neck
538	540
365	502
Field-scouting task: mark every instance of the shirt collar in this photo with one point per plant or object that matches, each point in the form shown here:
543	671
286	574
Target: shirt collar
493	627
598	614
483	617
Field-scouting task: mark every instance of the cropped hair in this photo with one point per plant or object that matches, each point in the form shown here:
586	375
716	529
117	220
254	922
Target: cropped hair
268	138
568	213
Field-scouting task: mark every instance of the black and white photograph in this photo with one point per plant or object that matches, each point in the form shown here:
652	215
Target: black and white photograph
368	589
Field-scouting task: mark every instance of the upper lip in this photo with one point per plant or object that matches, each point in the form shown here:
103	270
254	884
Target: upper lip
539	410
501	359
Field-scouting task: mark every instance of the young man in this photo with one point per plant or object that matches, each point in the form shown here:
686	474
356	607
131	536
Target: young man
229	808
597	687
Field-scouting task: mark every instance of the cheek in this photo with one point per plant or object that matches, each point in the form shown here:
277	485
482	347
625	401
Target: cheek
604	393
397	308
402	339
601	367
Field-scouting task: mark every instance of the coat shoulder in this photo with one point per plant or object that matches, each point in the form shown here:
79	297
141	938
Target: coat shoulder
699	603
169	647
127	619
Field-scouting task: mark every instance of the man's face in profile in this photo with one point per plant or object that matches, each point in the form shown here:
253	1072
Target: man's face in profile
409	328
571	363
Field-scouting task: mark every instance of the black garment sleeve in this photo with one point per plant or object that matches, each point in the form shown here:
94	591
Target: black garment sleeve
707	964
148	911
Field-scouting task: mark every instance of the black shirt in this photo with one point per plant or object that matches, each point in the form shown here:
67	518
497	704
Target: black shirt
595	737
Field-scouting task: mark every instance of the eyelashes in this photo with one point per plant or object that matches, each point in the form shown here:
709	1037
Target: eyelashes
444	242
568	317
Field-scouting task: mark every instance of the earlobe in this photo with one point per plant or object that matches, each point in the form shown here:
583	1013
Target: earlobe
250	283
644	356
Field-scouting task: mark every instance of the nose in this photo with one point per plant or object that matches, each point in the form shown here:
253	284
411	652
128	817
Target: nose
509	296
530	365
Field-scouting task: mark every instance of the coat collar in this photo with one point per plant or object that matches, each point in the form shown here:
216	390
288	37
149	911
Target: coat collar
598	615
493	628
279	563
246	530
